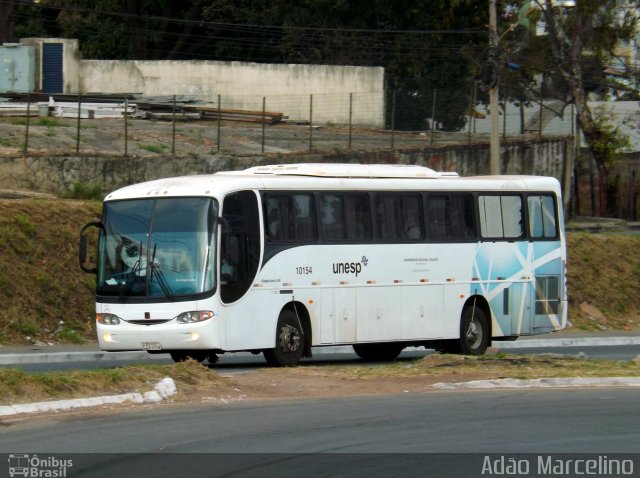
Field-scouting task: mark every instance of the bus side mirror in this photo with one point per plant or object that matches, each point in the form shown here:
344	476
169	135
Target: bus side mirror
82	251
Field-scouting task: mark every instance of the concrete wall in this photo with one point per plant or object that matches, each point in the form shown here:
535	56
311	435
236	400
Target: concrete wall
287	88
549	157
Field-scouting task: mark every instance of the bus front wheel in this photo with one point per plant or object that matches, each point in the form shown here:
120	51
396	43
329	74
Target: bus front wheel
474	332
289	341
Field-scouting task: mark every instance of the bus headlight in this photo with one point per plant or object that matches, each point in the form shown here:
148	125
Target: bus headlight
108	319
194	316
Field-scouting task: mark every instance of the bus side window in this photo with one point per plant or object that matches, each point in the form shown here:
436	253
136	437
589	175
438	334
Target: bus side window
399	217
501	216
332	221
542	217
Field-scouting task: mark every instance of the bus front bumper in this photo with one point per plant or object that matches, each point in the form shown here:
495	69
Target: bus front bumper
158	338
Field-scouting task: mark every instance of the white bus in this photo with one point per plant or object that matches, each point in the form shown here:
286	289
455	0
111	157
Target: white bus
280	259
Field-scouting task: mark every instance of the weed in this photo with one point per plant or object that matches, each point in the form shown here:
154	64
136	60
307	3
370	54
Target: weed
41	121
68	334
43	279
85	191
153	148
7	142
25	224
25	328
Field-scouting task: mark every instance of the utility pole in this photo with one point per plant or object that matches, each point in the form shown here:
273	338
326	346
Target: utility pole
494	141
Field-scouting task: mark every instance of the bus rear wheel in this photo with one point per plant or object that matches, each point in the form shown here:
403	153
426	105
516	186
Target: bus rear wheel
289	341
474	332
378	352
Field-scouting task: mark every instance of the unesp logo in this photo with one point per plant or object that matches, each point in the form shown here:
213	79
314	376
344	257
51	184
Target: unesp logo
350	267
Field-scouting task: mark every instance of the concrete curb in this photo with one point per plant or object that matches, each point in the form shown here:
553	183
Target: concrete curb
55	357
96	355
163	389
577	382
568	342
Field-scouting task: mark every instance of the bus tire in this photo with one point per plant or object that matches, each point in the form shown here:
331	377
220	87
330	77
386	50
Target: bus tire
289	341
378	352
474	332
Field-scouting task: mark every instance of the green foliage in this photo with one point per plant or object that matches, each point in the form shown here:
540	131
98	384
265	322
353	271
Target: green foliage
153	148
85	191
7	142
610	142
25	327
48	121
25	224
68	334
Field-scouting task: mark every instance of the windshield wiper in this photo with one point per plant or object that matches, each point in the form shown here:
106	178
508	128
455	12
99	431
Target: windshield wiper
162	281
137	266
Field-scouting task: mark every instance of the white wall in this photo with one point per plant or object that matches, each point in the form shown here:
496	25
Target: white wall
287	88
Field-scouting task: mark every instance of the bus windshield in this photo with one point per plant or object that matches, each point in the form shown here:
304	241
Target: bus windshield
158	248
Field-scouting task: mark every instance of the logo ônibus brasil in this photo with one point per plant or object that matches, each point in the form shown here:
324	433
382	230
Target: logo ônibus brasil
33	466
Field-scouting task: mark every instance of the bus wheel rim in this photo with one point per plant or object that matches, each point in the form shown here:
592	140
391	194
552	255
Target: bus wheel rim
474	333
289	339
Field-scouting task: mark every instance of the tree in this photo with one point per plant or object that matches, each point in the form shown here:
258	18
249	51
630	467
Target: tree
590	29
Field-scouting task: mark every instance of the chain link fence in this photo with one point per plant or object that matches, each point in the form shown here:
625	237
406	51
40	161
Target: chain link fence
250	124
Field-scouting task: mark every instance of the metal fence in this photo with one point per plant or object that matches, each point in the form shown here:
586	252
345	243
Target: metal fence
178	125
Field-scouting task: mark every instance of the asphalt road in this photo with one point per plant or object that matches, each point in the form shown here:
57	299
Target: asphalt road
365	436
246	361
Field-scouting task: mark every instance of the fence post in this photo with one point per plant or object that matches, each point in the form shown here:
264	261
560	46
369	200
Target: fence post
433	114
218	127
126	127
173	128
504	118
26	134
264	105
393	119
472	110
541	106
350	117
78	123
310	123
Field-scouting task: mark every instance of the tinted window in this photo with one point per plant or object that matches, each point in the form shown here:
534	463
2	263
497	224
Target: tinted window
399	217
344	217
239	245
290	217
450	217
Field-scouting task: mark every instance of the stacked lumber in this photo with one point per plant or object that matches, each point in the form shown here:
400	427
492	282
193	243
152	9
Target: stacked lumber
245	116
110	106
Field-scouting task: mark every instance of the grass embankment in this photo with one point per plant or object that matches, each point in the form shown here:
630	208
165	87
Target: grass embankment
17	386
45	297
196	384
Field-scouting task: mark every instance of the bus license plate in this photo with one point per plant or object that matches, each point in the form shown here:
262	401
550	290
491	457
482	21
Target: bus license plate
151	346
